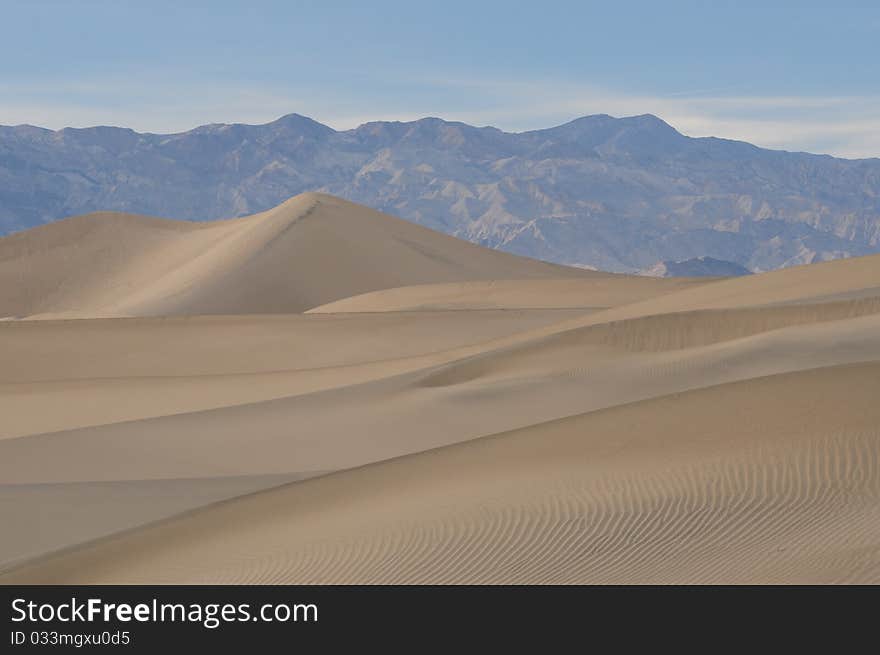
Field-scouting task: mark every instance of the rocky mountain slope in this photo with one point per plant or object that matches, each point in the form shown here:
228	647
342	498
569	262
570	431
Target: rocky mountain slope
616	194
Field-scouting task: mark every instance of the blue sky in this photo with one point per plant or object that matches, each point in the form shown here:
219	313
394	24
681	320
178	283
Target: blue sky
793	75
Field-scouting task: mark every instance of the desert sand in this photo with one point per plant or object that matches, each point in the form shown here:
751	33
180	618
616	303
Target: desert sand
322	393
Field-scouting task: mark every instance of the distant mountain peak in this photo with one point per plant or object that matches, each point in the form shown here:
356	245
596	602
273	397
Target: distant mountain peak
297	119
301	123
600	120
647	119
597	129
702	266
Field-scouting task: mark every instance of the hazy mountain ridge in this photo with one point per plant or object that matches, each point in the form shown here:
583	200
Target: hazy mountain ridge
697	267
618	194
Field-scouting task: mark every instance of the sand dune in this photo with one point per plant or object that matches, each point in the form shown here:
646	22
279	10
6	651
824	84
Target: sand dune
309	251
598	291
73	513
57	375
442	413
630	494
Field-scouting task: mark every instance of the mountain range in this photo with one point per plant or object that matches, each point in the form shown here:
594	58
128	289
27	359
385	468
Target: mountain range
618	194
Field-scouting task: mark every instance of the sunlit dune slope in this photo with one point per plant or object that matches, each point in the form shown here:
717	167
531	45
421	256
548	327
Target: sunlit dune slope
310	250
598	291
772	480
